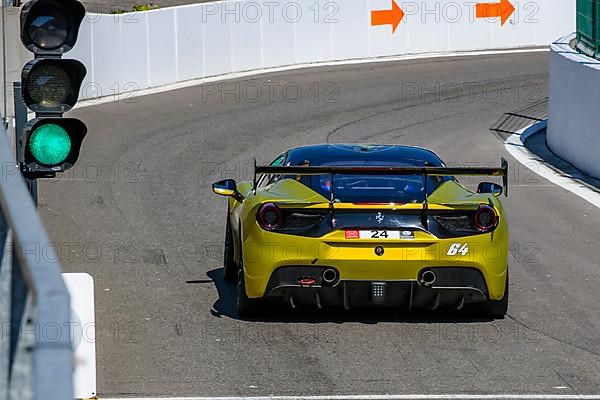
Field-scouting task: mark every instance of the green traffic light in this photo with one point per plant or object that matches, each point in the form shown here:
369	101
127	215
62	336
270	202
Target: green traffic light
50	144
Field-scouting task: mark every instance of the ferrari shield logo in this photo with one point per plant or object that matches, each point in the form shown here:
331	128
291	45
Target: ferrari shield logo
379	218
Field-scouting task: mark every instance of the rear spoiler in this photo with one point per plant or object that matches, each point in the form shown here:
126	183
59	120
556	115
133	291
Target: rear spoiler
425	171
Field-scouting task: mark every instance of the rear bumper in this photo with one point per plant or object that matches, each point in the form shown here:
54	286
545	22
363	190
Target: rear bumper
453	289
359	261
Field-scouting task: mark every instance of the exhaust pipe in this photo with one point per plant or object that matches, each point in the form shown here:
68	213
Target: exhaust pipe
428	278
330	276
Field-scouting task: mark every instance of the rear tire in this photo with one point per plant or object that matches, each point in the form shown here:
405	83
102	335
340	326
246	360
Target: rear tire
246	306
497	309
230	269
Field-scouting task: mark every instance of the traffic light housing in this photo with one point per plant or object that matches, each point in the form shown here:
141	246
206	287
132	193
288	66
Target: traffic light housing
50	87
50	27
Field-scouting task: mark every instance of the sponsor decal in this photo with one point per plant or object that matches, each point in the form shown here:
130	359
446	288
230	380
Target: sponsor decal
352	234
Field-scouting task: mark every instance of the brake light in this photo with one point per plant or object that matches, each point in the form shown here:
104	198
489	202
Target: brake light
269	216
485	218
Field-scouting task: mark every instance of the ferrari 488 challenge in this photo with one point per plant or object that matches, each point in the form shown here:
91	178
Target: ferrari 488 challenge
366	225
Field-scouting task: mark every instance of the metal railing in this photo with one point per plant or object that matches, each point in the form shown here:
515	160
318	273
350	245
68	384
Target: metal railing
588	27
36	355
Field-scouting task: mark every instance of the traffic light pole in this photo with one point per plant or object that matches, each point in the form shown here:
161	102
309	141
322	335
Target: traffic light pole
20	121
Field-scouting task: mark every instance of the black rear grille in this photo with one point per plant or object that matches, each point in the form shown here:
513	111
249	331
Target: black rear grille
317	223
294	221
456	223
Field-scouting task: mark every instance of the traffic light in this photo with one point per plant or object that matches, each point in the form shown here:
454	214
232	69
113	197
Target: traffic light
52	144
50	87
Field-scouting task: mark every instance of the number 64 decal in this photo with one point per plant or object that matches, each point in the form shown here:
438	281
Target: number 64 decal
457	248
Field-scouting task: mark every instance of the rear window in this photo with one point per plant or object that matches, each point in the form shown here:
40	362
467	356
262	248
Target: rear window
373	188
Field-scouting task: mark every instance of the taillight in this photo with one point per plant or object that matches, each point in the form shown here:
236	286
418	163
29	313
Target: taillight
269	216
485	218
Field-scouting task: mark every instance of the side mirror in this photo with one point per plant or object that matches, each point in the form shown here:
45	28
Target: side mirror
227	188
489	187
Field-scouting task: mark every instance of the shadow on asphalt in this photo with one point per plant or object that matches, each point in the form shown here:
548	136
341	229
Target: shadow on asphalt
511	122
537	145
225	306
514	121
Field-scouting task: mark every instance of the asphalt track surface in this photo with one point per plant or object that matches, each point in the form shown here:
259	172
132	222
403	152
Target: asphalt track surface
137	213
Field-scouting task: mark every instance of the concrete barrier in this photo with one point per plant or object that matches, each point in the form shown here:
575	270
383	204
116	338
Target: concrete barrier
574	117
135	51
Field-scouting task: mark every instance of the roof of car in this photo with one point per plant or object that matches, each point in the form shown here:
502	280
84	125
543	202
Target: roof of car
326	153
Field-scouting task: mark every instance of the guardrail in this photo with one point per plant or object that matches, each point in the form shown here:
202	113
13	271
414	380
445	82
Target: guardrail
36	355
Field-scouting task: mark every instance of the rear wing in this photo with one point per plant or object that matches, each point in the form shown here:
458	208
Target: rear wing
425	171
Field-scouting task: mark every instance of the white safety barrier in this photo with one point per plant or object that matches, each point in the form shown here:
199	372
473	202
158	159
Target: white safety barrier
135	51
83	333
574	120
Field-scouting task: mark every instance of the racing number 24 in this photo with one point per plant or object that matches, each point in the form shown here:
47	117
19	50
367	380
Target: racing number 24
379	234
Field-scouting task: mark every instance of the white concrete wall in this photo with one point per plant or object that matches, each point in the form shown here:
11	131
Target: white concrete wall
141	50
574	118
136	51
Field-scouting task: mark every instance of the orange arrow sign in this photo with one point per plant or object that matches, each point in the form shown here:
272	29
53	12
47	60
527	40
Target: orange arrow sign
388	17
504	10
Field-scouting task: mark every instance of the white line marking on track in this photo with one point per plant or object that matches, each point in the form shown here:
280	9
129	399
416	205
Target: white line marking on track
388	397
257	72
515	145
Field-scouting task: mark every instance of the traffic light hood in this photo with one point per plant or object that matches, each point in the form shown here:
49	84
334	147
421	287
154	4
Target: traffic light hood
50	27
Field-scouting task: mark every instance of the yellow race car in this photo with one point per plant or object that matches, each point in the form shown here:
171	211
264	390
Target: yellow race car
366	225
